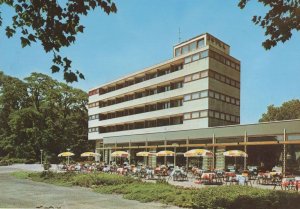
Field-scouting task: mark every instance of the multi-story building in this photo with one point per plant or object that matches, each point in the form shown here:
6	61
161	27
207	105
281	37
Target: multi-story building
189	101
198	88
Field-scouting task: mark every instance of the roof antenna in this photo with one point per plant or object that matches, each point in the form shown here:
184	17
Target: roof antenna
179	38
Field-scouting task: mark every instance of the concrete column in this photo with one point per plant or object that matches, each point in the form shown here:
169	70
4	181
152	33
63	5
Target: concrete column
213	151
284	153
165	158
187	149
109	156
129	151
245	150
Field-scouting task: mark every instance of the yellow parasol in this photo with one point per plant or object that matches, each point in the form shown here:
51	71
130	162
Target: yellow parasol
235	153
198	153
120	154
165	153
66	154
143	154
90	154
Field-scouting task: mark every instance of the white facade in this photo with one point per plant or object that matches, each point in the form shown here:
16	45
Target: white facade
197	88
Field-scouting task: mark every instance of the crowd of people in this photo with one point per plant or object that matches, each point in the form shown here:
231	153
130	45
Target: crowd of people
232	175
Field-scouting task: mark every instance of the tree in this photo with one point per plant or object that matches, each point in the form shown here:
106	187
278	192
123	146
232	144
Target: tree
282	18
54	24
41	113
287	111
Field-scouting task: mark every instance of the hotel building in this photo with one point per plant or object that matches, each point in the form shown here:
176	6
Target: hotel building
165	105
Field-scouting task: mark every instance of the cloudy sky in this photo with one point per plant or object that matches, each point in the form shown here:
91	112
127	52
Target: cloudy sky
142	33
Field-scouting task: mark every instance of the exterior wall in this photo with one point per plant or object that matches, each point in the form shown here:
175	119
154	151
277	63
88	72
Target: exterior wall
203	104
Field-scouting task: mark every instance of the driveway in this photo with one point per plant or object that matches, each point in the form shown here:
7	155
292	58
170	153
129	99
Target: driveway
23	193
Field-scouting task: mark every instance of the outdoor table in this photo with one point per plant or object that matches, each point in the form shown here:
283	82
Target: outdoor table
208	177
289	183
264	178
121	171
230	177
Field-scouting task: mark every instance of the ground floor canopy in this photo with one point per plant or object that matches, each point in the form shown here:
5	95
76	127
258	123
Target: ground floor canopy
267	145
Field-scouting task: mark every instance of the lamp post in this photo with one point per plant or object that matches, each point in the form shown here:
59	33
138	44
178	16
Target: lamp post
41	156
68	149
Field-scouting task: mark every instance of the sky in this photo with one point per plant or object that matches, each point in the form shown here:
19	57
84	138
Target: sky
143	33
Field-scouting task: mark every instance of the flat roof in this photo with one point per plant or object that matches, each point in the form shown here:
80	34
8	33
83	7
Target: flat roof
257	129
198	36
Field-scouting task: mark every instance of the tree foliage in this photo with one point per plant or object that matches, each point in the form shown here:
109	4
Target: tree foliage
287	111
41	113
55	24
282	18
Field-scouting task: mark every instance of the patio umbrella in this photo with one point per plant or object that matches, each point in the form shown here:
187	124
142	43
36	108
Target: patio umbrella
235	154
165	153
120	154
66	154
143	154
90	154
198	153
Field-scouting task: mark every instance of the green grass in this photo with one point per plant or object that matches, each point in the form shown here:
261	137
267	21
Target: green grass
222	197
21	174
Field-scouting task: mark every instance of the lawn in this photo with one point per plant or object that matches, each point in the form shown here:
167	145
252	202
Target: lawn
222	197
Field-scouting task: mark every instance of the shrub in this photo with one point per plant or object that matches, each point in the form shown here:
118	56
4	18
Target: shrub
9	161
88	180
239	197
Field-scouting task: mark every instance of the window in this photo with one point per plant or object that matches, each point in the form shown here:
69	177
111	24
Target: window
196	57
232	65
228	99
187	116
222	116
195	95
223	79
217	76
193	46
200	43
217	95
211	94
203	114
185	49
232	82
211	113
228	81
237	102
217	115
223	97
195	76
187	97
195	115
228	117
187	60
204	54
204	74
232	100
177	52
203	94
188	78
232	118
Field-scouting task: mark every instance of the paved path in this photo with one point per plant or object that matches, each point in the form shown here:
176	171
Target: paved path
24	193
